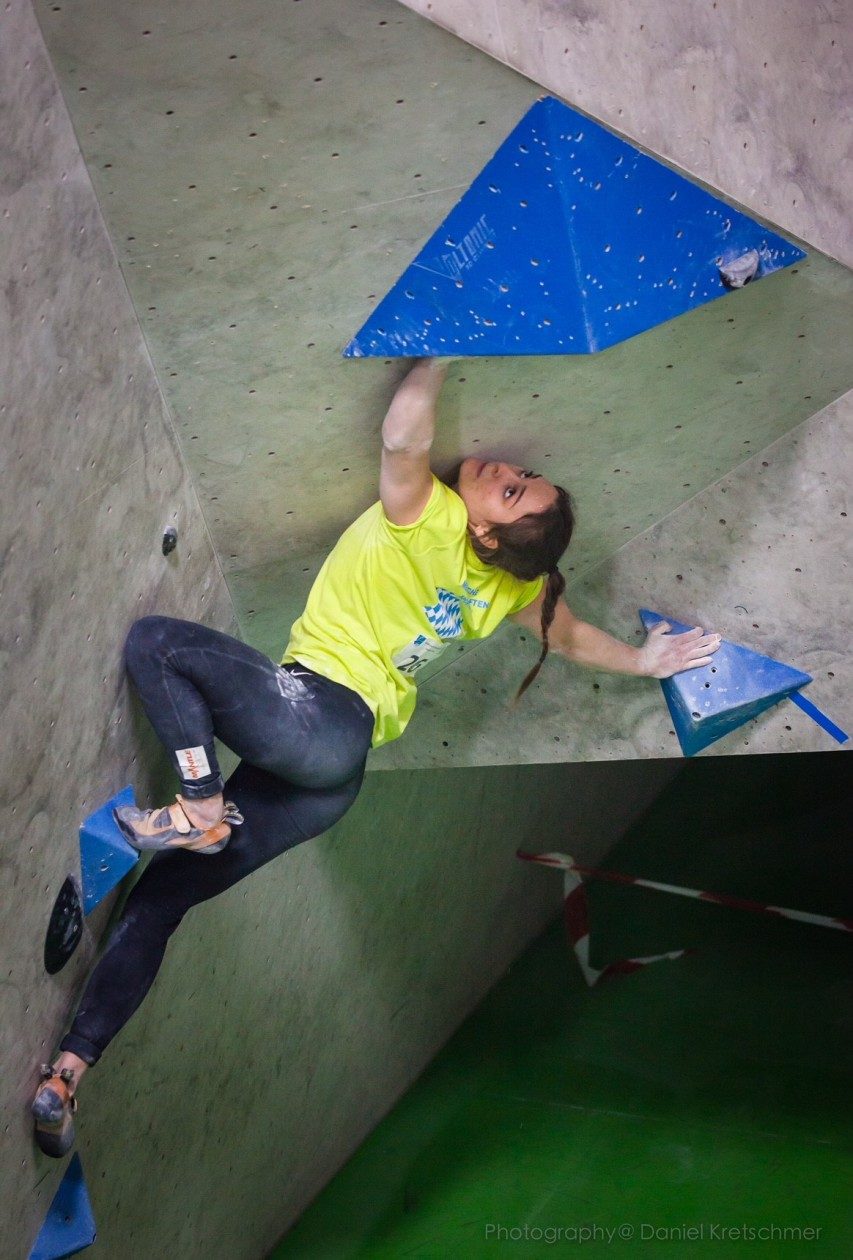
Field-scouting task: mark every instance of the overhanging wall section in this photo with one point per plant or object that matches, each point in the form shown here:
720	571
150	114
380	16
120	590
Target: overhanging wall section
267	175
341	969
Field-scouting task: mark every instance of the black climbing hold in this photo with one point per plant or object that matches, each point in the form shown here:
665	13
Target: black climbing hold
170	539
65	927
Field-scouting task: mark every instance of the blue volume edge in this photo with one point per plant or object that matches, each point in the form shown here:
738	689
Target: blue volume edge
817	715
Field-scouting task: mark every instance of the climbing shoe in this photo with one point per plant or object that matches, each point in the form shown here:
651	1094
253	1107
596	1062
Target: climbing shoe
53	1109
170	828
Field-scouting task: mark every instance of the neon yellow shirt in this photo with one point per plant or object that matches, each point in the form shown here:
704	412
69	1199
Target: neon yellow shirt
389	598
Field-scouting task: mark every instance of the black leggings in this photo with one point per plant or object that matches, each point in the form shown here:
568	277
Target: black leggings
304	740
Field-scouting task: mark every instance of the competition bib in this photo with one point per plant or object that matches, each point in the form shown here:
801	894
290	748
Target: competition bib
416	654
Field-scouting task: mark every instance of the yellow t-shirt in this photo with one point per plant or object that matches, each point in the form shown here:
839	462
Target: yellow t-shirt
389	598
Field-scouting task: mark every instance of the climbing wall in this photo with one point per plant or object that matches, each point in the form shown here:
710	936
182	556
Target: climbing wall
266	172
92	475
267	179
725	91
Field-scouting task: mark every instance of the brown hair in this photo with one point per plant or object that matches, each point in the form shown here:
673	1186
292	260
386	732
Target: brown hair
529	547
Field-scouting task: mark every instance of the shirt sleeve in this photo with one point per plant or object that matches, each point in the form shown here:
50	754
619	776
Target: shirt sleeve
527	592
443	519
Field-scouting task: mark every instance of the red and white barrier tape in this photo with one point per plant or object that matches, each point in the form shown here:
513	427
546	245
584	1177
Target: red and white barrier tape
576	911
722	899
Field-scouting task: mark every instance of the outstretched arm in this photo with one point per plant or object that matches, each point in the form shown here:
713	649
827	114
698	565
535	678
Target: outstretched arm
405	480
660	656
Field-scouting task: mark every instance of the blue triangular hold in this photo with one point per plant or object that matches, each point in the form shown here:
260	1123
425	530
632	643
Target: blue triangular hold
568	241
69	1226
105	855
707	703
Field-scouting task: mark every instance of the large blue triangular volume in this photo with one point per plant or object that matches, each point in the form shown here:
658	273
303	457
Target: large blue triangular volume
707	703
105	855
568	241
69	1226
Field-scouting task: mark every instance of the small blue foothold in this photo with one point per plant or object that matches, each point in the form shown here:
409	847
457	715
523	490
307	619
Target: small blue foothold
711	701
69	1226
105	855
569	240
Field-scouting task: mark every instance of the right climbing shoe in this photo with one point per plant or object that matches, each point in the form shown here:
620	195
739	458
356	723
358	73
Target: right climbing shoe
170	828
53	1109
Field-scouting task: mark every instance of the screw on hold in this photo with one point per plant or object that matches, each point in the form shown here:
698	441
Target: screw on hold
737	270
170	539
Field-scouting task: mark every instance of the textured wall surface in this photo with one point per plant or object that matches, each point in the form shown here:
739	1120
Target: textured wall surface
326	984
753	96
91	474
265	171
266	176
293	1011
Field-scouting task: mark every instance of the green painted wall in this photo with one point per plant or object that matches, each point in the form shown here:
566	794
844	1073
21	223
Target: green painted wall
706	1094
293	1011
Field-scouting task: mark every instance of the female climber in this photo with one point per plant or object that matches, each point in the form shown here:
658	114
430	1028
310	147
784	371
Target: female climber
425	566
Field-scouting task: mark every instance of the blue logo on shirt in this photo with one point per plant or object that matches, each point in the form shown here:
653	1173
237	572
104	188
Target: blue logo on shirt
445	617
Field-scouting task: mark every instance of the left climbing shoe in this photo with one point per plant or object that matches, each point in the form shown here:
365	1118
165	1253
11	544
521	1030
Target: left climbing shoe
53	1108
170	828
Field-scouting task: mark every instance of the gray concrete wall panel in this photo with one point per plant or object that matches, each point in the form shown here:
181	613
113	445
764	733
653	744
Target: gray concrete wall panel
91	474
753	96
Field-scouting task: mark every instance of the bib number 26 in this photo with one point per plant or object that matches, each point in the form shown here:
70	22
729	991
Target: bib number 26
416	654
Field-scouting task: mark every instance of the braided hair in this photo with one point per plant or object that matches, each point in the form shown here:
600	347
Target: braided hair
529	547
